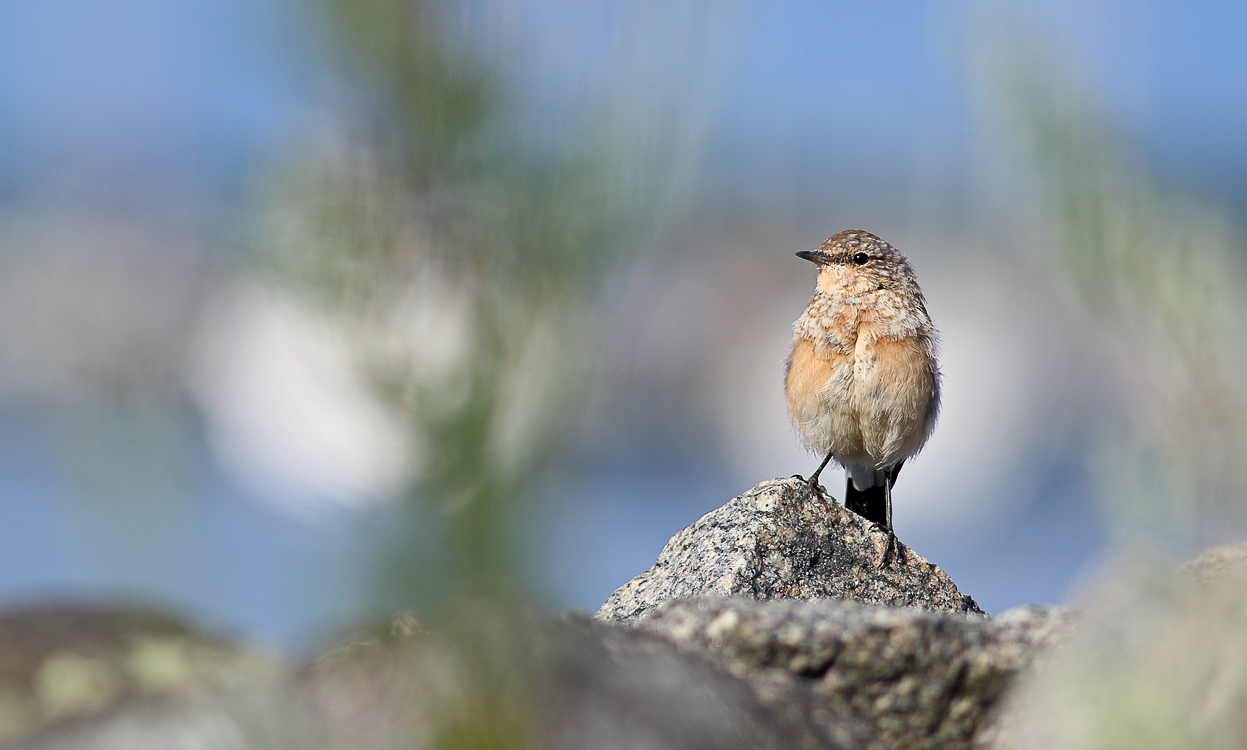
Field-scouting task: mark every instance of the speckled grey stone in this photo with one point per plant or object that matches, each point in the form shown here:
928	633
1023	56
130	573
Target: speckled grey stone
918	679
778	541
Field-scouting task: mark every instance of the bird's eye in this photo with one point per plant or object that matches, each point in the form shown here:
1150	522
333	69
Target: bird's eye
861	258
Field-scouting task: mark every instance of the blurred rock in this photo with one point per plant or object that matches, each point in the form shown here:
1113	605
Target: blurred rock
777	541
1217	563
574	684
67	671
709	672
1158	660
610	686
918	679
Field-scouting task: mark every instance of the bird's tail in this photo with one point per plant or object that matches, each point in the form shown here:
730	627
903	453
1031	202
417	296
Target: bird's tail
871	502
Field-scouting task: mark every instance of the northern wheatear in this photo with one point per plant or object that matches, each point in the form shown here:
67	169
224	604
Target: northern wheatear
862	383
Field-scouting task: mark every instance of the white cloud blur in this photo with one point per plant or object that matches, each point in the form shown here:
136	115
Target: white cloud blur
288	414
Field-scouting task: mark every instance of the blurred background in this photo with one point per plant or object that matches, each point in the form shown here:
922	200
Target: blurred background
312	310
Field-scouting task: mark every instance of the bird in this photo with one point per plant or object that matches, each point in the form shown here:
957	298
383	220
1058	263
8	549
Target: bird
862	380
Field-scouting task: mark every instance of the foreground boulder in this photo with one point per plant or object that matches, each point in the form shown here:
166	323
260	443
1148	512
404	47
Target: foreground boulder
572	684
918	679
64	667
707	673
779	541
1159	660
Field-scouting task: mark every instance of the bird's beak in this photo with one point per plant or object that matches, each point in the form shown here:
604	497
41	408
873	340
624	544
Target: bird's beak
812	256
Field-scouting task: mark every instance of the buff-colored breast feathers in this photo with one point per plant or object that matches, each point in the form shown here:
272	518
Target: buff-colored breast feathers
896	394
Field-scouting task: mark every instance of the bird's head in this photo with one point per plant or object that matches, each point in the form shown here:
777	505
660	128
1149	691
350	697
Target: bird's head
855	262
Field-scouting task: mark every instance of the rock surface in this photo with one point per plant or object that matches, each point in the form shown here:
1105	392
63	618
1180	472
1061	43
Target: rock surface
707	673
571	684
778	541
611	686
918	679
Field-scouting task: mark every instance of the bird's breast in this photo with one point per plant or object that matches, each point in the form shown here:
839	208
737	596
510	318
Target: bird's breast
857	389
818	386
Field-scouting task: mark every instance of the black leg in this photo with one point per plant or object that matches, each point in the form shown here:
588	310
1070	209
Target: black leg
819	470
887	498
889	480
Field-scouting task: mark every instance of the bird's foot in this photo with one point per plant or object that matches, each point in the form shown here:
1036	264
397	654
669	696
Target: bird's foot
815	488
893	550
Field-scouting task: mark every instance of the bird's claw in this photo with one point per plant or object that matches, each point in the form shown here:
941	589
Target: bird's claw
893	549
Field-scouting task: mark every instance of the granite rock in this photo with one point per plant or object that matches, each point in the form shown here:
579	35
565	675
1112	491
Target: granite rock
780	541
918	679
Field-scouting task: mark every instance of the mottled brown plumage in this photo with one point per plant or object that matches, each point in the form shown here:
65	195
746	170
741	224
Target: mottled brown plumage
862	382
